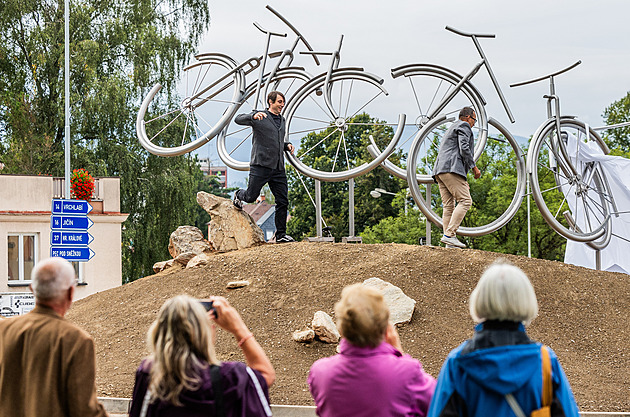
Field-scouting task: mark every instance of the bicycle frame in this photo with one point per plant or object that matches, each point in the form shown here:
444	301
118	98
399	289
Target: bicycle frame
484	62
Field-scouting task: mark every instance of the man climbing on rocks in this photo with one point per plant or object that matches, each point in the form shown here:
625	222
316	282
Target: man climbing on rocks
267	160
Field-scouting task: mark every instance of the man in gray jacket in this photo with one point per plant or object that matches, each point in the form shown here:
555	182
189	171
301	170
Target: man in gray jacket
266	165
455	159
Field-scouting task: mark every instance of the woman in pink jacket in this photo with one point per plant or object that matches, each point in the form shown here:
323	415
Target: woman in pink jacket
371	376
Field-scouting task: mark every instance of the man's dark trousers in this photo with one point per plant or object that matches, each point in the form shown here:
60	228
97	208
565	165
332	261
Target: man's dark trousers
277	180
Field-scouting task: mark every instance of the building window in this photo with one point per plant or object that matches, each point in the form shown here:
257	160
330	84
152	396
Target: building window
22	251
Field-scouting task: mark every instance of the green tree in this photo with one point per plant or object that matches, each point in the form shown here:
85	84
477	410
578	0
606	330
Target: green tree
618	139
335	210
118	51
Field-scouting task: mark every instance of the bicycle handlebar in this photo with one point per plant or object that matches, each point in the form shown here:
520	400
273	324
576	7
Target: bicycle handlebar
469	35
546	76
267	32
297	32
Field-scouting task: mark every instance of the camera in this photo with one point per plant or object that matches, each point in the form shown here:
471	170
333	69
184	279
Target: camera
208	305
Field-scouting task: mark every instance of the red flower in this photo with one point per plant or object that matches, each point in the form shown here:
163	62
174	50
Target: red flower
81	184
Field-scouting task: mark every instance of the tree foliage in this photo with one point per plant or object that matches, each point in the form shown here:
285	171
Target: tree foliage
618	139
117	51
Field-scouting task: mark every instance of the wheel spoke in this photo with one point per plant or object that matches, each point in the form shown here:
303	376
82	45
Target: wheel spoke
317	144
169	123
415	94
337	152
345	148
362	107
240	143
348	101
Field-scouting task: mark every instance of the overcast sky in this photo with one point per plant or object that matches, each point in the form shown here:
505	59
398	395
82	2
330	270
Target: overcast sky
533	38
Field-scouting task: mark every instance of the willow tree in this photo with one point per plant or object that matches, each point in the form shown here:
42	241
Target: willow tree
118	50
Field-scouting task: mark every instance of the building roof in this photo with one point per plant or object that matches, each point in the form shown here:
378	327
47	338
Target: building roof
258	211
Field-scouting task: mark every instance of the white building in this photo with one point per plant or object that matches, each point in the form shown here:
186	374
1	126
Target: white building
25	211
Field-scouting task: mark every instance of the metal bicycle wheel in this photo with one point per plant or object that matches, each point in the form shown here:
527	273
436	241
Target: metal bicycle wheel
420	91
331	142
234	141
212	89
571	193
502	166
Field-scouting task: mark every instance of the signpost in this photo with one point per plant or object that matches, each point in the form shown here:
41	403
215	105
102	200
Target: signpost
69	238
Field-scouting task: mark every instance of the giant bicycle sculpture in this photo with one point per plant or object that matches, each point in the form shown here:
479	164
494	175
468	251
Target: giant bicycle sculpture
573	195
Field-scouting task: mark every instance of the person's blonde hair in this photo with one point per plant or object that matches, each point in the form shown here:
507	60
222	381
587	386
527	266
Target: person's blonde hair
181	345
362	315
503	293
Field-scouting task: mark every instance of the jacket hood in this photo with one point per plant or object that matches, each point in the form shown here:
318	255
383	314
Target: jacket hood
502	369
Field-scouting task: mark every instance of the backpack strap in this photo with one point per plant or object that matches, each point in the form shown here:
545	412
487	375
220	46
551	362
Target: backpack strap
217	387
547	389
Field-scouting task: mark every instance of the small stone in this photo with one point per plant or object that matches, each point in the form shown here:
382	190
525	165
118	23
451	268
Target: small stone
325	328
201	259
304	336
236	284
184	258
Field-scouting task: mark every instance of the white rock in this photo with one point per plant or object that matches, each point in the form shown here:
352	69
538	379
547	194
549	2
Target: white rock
304	336
325	328
400	306
201	259
236	284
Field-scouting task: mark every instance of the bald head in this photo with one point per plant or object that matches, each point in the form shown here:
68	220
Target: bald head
51	279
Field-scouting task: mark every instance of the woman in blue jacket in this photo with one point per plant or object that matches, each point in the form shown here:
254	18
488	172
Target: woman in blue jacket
500	359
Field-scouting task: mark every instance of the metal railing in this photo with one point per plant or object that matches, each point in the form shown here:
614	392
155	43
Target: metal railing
59	184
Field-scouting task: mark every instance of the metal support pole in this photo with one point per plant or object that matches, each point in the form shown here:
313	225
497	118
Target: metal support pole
318	217
67	98
598	260
351	237
318	207
529	224
351	206
427	196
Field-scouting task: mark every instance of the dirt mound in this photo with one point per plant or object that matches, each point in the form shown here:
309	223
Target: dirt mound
584	314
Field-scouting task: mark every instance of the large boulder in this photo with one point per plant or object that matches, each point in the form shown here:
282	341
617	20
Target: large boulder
187	240
229	228
401	306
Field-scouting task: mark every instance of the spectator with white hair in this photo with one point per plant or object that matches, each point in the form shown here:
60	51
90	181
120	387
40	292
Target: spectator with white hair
501	371
47	364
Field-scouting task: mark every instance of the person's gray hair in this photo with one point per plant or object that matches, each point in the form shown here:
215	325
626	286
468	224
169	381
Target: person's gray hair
51	278
465	112
503	293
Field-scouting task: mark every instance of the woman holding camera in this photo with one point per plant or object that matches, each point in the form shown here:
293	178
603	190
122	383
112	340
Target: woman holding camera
182	376
501	371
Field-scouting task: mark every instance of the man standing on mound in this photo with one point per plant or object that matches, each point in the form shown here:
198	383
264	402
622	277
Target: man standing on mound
267	160
454	160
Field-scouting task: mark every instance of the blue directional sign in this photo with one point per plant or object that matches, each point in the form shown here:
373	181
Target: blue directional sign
70	238
71	207
76	254
70	223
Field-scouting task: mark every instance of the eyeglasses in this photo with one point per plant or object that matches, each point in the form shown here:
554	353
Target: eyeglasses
473	119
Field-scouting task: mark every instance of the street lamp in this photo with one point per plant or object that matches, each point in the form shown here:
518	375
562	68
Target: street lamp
376	193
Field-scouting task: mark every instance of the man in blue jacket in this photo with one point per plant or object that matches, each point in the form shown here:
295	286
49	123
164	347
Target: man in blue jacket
455	159
266	165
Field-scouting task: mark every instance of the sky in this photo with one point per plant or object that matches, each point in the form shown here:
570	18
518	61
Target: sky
533	39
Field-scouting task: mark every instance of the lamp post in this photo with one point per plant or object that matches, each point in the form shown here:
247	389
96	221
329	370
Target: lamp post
377	192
